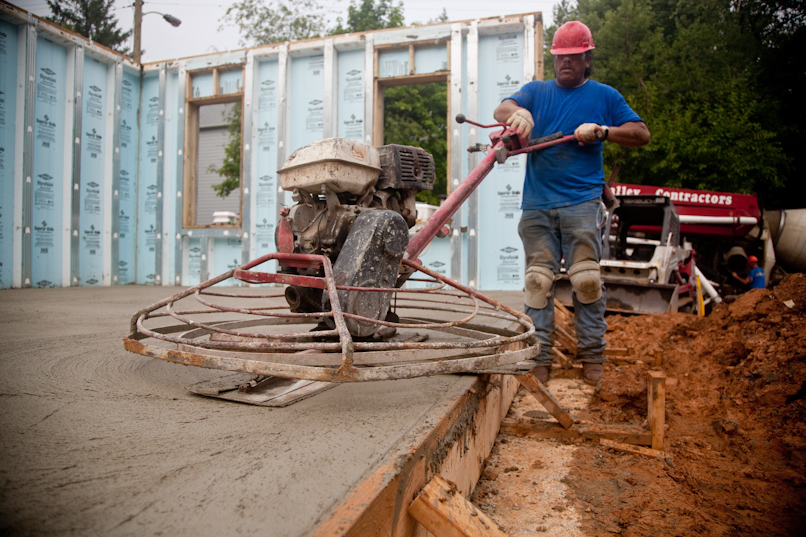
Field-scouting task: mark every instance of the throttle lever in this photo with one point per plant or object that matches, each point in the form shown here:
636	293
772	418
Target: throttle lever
460	118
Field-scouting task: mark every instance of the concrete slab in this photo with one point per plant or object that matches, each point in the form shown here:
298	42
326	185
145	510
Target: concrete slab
99	441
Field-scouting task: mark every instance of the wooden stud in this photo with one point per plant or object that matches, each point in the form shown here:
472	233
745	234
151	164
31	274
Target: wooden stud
190	155
656	403
539	48
216	82
544	397
443	511
377	102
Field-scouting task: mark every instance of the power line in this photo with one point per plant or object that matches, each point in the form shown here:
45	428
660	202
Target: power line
181	4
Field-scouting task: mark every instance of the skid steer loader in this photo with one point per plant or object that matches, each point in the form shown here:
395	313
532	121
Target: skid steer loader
646	265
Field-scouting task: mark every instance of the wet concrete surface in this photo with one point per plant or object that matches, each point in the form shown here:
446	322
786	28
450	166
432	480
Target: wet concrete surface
98	441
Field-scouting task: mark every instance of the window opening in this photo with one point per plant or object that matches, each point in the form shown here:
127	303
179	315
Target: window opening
417	114
218	163
213	148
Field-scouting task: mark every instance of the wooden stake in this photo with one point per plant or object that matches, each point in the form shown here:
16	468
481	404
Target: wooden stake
446	513
536	428
544	397
656	407
637	450
565	362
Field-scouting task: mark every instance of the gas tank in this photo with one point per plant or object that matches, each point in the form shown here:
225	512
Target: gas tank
341	165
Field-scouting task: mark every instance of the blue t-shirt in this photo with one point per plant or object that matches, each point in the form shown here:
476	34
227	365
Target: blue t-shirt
757	275
567	174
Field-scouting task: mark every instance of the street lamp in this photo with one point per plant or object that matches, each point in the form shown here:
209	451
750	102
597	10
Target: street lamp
138	20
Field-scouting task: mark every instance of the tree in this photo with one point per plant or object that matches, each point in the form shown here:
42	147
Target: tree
442	17
92	19
275	21
417	115
230	168
370	16
779	26
691	70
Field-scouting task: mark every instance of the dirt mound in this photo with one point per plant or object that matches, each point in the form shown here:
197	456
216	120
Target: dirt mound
736	418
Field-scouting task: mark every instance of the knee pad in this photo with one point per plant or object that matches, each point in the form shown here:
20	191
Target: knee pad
538	286
586	281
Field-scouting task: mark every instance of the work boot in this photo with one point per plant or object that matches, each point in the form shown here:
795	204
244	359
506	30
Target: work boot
541	373
592	373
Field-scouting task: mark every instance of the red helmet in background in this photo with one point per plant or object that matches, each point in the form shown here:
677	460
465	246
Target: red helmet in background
573	37
752	259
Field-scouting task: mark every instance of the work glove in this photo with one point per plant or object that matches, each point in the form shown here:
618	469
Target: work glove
521	121
589	132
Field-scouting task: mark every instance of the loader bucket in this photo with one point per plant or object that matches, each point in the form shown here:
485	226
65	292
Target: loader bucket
624	296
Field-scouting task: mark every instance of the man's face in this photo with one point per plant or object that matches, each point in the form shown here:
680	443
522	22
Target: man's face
569	69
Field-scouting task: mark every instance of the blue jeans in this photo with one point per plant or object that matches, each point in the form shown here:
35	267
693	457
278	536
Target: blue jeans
573	233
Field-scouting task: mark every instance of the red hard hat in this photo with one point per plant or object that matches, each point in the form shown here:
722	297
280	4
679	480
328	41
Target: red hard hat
573	37
752	259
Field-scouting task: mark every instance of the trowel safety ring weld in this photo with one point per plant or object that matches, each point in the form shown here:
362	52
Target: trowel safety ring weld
443	328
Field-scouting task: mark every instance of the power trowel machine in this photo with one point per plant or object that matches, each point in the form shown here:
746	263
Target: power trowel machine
349	300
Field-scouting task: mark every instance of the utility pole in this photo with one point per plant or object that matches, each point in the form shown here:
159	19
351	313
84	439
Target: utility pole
138	20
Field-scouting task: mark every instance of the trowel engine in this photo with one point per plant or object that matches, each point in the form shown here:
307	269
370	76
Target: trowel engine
355	204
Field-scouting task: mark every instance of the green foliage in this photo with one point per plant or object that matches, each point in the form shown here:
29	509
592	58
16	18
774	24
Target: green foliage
699	74
779	26
264	22
370	16
91	18
230	168
711	142
443	17
417	115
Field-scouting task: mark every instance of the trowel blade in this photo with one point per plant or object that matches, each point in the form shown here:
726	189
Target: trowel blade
270	391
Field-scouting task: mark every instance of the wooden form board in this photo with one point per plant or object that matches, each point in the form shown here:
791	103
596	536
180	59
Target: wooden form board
446	513
454	448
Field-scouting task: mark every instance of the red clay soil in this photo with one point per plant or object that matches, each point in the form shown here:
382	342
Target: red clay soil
736	424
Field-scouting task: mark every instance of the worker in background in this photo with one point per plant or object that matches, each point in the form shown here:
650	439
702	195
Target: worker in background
754	278
563	213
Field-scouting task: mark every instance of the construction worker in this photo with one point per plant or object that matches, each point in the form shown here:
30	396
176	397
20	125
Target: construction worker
754	278
563	213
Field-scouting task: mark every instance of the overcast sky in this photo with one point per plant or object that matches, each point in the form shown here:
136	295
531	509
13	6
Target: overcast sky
199	32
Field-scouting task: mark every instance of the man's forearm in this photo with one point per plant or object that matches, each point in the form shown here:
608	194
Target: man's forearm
504	110
631	134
